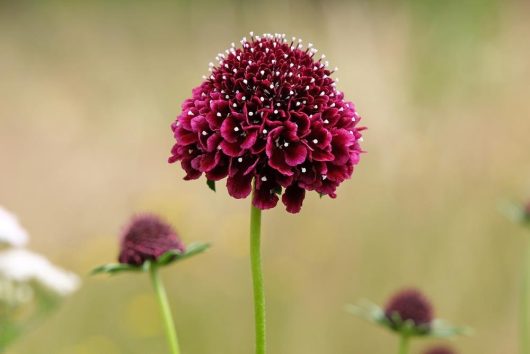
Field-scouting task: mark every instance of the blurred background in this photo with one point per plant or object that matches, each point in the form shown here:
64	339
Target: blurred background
89	89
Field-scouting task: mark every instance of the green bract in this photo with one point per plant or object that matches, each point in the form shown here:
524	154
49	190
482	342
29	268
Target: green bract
436	329
167	258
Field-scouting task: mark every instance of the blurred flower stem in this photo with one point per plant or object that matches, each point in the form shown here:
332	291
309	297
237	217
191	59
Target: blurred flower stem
404	343
257	278
169	324
525	302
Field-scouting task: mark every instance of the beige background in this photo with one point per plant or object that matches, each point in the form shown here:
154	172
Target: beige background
88	91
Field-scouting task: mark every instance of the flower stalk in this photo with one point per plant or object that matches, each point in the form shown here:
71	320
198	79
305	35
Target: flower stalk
404	342
161	295
257	279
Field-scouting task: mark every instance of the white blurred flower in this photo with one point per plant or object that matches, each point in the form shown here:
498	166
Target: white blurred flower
11	232
21	265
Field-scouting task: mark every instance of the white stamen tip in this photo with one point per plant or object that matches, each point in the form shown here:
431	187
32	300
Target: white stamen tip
264	179
240	159
236	129
315	141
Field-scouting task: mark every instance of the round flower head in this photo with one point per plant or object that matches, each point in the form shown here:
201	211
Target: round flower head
270	113
410	306
440	350
147	237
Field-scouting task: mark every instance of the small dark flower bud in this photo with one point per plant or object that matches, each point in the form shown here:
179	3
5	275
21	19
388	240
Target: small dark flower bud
409	305
147	237
439	350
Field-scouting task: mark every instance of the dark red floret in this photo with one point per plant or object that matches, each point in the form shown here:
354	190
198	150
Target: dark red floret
440	350
410	305
270	115
147	237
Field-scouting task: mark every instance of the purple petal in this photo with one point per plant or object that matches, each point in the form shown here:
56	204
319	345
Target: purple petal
239	186
293	197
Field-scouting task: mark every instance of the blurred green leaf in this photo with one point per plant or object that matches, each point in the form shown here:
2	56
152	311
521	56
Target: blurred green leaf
211	184
114	268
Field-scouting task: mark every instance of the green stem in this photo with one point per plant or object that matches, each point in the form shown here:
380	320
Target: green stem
257	278
525	303
404	344
169	325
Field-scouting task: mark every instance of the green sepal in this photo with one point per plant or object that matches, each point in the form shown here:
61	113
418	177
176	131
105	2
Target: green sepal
114	268
167	258
211	184
278	190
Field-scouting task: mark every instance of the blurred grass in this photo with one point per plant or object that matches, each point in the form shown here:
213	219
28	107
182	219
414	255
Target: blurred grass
89	90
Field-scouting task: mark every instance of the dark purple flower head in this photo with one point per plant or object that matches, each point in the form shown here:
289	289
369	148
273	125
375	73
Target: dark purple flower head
147	237
440	350
410	305
270	113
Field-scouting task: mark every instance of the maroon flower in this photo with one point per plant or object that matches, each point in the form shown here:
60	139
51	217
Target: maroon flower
410	305
269	113
147	237
440	350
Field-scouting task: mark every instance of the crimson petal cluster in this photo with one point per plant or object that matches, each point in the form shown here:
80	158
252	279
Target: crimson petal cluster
269	113
410	305
147	237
